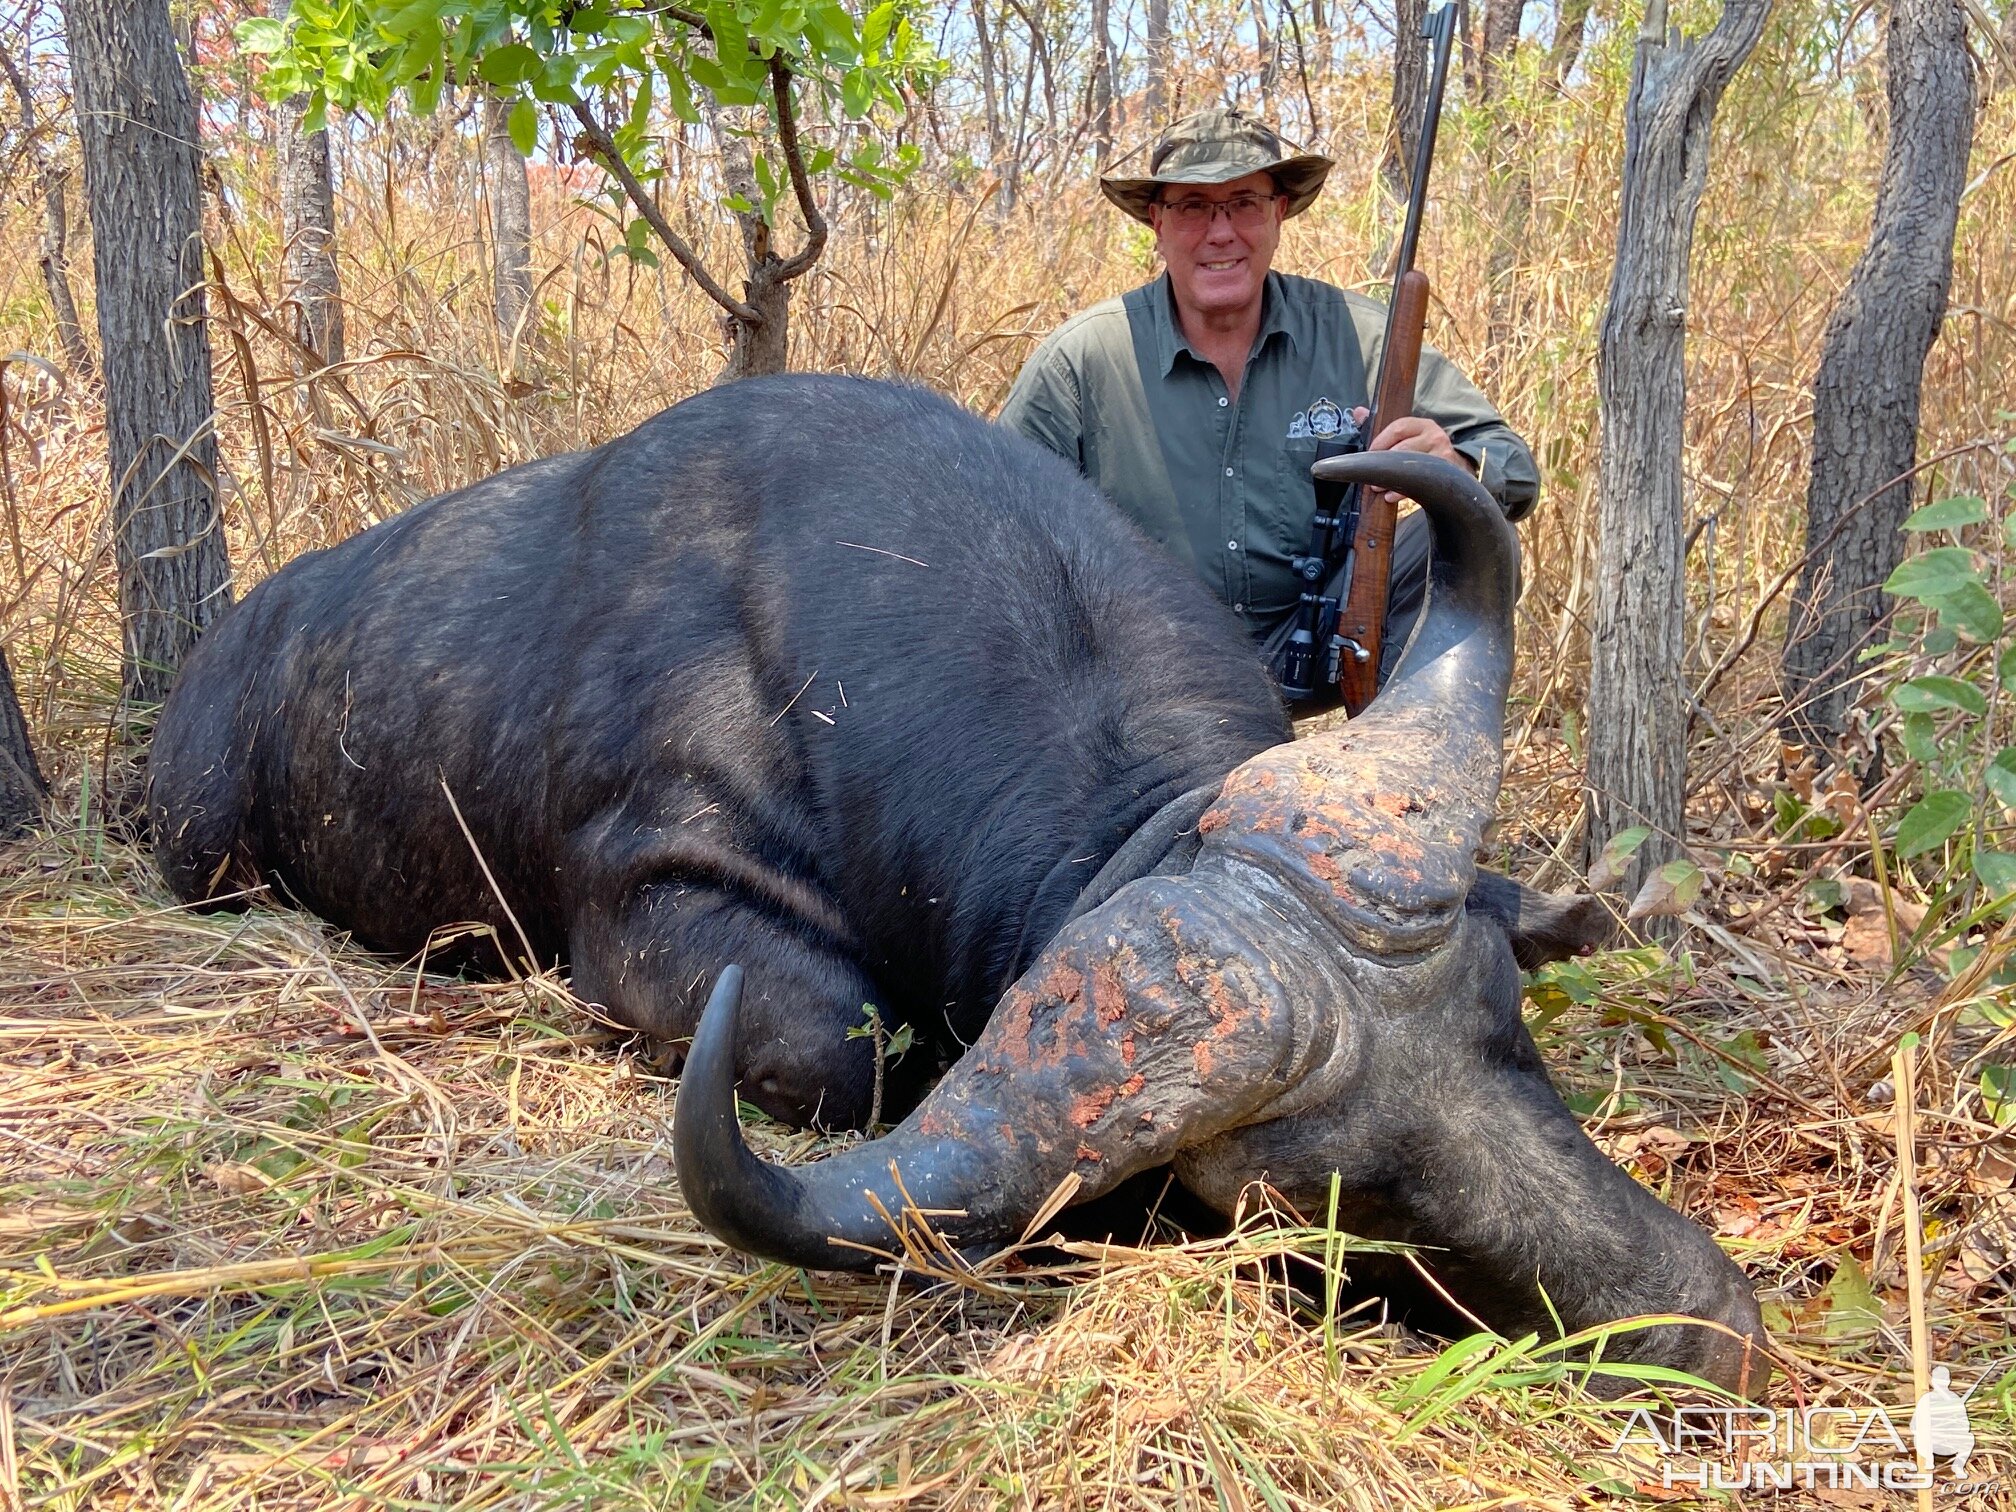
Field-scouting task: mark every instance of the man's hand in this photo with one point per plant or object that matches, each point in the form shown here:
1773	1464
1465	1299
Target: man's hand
1415	433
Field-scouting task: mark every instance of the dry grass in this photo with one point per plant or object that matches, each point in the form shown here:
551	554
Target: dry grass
285	1225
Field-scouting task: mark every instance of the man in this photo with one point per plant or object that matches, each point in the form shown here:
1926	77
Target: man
1196	402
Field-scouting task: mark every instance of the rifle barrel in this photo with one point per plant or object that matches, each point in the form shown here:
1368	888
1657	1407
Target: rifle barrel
1440	28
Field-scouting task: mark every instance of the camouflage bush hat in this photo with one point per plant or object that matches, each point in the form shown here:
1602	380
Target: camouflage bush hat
1215	147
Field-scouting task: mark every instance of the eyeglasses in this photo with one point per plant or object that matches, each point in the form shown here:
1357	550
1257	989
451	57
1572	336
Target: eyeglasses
1246	212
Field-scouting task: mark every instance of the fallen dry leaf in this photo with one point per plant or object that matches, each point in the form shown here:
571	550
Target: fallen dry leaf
1866	936
237	1179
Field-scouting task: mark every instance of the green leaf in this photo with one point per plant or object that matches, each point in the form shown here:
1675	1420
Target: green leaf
2005	668
1998	1092
1848	1300
261	34
875	30
510	65
1931	820
1972	611
1668	892
1747	1050
1939	640
411	19
1925	694
1949	514
2001	776
1617	853
856	94
679	94
1997	871
426	92
1933	574
1921	738
731	42
707	73
524	127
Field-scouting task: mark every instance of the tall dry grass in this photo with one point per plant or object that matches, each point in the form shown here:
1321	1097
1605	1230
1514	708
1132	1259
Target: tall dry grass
282	1225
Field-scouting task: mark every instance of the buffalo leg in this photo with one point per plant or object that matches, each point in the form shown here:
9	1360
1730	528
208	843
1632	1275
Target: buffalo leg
652	960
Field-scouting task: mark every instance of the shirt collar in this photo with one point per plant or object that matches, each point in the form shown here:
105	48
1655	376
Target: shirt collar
1169	332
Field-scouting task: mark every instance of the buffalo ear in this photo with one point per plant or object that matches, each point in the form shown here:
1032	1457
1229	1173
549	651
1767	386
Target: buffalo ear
1542	927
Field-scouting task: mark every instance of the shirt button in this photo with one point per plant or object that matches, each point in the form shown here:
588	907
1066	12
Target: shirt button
1223	402
1228	472
1238	608
1231	545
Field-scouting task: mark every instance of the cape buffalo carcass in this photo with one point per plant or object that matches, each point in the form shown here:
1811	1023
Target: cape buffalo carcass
832	680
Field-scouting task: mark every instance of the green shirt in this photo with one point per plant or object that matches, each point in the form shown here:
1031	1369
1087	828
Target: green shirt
1118	392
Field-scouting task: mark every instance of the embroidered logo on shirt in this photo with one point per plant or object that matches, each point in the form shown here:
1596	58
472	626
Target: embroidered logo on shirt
1323	420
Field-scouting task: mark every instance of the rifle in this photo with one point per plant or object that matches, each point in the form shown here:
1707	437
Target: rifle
1340	621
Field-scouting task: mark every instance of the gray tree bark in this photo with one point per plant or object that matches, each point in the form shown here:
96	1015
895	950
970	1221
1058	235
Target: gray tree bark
1872	368
22	789
1268	47
308	229
1102	85
137	122
1158	65
983	28
1637	724
1570	25
510	224
55	225
1410	93
1502	19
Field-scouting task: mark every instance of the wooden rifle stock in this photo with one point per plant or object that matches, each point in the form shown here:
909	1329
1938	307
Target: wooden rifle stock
1362	618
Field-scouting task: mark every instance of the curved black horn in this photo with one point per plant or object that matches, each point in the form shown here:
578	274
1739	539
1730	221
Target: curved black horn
1376	823
1462	646
774	1212
1147	1025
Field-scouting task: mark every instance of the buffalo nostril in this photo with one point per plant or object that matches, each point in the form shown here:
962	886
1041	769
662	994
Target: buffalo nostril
769	1086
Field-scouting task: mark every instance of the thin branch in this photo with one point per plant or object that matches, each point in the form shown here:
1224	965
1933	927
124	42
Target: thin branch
600	144
1785	579
801	181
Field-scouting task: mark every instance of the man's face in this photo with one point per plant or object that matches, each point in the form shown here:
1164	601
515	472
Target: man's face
1218	259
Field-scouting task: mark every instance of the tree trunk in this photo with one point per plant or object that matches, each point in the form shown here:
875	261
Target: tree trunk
753	350
1158	65
22	790
1410	93
55	226
1102	85
983	27
308	229
1872	367
1637	724
2003	73
1502	19
510	226
137	123
1569	27
1266	45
